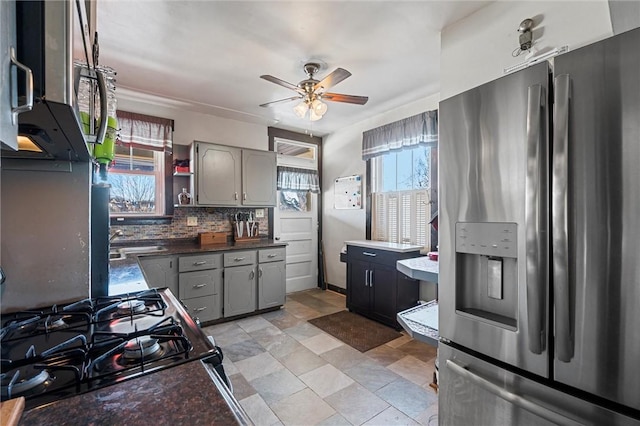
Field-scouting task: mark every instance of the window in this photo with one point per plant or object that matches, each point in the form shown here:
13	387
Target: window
400	183
140	174
137	179
401	179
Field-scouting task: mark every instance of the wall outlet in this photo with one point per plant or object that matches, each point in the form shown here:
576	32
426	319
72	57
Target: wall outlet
259	213
192	221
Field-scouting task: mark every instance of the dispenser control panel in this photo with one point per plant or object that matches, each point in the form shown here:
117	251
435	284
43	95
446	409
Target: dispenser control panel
494	239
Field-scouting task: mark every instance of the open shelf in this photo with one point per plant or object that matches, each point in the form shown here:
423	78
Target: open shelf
186	174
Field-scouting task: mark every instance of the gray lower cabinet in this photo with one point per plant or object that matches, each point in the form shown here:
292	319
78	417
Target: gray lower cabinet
239	282
161	271
271	278
200	285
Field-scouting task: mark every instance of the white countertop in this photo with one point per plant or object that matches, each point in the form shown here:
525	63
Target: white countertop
383	245
419	268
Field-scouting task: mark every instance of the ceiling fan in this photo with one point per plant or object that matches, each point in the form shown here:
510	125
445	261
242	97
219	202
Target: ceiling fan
311	92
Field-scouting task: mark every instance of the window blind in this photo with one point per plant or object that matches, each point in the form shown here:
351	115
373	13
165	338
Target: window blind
401	217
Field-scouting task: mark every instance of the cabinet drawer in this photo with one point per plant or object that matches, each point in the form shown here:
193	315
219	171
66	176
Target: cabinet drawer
200	262
200	283
205	308
271	255
238	258
383	257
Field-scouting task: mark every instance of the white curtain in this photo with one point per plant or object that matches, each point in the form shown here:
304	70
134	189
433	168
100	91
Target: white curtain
291	178
411	131
145	131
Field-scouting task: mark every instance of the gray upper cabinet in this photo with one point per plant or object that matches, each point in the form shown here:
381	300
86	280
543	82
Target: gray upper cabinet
218	176
258	178
8	74
229	176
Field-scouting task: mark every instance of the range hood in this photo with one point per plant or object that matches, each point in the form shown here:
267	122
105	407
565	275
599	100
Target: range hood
53	41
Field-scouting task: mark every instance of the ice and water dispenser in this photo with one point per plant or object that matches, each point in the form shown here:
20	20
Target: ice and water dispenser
486	263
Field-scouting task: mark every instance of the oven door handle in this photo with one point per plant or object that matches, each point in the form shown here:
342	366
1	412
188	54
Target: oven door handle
511	397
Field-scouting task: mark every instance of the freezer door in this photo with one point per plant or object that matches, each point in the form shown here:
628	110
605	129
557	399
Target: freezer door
475	392
494	281
596	218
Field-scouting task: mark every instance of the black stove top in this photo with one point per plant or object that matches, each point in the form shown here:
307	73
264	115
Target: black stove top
61	351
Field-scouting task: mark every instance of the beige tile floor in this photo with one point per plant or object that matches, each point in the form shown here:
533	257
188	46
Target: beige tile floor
286	371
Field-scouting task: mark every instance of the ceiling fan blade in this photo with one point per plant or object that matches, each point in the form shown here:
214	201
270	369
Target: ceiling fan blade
332	79
293	98
280	82
350	99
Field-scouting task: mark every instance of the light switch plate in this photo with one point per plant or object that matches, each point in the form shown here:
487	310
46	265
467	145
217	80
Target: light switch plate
259	213
192	221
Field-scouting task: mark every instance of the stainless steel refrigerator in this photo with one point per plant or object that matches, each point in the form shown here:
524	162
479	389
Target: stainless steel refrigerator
539	292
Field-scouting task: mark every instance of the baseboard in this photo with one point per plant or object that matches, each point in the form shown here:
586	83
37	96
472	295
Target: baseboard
336	288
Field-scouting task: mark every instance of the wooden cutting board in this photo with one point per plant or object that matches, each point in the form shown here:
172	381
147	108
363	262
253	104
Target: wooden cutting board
11	411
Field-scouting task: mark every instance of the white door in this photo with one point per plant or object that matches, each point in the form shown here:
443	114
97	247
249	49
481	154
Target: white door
299	229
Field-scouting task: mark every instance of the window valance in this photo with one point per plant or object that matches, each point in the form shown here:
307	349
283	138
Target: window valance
145	131
411	131
291	178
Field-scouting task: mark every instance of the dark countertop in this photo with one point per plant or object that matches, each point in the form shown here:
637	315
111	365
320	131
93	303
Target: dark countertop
182	395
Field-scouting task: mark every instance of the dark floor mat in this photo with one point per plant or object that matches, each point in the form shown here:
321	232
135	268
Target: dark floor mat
355	330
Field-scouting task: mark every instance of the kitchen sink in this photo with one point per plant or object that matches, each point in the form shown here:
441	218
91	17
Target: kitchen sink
122	252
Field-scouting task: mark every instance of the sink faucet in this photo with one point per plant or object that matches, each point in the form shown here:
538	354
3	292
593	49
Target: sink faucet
117	233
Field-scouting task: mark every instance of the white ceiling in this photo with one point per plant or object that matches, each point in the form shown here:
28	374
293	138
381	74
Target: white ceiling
207	56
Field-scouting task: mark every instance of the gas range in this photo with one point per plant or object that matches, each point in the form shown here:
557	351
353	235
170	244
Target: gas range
60	351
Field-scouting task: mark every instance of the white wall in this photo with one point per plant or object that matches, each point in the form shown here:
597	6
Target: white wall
476	49
342	156
190	126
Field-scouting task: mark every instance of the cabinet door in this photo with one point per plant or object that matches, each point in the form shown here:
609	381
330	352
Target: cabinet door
382	284
161	271
258	178
358	285
8	74
217	175
239	290
271	285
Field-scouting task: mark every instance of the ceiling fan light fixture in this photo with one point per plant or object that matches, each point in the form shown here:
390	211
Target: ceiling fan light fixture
313	116
318	107
301	109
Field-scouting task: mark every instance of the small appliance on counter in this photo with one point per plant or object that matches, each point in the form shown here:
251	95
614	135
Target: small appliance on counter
57	352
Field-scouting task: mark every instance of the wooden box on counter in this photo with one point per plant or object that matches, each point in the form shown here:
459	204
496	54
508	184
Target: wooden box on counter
212	238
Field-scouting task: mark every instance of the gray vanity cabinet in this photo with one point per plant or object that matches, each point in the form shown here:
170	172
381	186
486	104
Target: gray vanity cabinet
240	280
271	278
161	271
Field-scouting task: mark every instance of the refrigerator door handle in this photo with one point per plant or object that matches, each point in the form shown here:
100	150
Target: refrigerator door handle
535	227
560	228
511	397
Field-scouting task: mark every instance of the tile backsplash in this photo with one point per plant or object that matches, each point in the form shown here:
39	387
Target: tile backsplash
214	219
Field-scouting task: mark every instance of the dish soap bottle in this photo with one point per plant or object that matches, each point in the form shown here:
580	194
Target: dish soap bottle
184	198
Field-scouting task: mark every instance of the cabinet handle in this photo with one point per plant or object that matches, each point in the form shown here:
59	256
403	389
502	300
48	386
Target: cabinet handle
371	278
252	275
235	195
238	259
366	253
28	88
200	285
244	196
260	272
200	309
366	278
271	256
200	263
